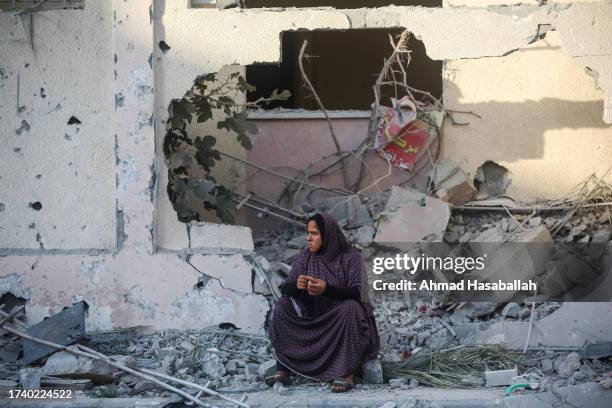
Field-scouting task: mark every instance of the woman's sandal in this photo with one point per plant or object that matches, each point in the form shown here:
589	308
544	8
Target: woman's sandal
281	378
341	382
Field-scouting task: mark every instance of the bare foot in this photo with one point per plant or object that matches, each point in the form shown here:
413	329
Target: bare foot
281	376
343	386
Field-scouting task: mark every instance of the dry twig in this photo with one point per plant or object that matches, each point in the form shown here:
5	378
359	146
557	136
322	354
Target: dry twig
316	96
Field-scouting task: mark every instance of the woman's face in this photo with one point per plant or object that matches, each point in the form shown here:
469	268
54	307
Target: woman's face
314	236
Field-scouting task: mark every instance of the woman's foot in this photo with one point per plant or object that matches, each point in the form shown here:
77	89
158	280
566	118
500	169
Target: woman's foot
281	376
342	384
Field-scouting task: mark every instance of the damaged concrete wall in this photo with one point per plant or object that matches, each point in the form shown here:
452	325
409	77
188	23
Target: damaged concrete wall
147	264
56	106
481	50
295	143
540	119
125	281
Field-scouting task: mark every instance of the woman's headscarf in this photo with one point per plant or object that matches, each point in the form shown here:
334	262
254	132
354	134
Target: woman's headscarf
337	263
333	240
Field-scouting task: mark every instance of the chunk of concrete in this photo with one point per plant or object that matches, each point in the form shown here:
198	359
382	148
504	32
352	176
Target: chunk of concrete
522	259
372	372
260	285
64	328
67	365
573	325
500	377
452	183
563	274
411	216
476	310
29	378
567	365
212	365
511	310
266	369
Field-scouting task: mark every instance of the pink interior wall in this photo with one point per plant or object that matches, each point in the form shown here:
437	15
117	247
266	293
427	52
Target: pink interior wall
290	145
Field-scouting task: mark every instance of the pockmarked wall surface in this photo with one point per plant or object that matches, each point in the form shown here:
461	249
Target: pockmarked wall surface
98	66
56	110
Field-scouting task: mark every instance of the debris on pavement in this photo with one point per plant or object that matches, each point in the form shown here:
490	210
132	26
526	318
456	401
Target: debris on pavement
425	340
64	328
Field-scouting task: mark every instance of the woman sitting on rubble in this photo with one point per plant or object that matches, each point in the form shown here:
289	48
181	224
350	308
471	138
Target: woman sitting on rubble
323	326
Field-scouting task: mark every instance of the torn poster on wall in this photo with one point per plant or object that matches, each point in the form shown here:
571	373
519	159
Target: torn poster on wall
403	136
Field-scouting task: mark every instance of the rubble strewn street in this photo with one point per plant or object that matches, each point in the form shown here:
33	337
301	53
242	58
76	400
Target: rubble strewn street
235	363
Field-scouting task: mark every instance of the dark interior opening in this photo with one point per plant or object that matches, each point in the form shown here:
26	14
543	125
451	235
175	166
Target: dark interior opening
340	4
342	68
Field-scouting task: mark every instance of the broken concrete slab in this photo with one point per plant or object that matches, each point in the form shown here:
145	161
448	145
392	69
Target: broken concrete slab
584	395
67	365
499	378
372	372
603	283
475	310
523	258
563	274
411	216
64	328
599	350
452	183
61	383
574	324
511	310
260	285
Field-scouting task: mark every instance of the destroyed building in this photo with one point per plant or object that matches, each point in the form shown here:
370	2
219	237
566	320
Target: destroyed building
89	89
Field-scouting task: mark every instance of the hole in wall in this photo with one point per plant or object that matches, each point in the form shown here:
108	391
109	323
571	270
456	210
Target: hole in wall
338	4
346	66
10	301
343	68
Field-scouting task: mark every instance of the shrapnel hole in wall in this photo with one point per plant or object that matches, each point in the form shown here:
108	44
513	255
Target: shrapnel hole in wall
339	4
343	67
21	5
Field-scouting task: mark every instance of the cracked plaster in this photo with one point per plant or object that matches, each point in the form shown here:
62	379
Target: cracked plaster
468	33
137	285
125	282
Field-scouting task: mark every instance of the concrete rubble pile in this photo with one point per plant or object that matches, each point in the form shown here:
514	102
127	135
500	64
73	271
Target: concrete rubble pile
378	224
